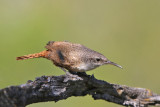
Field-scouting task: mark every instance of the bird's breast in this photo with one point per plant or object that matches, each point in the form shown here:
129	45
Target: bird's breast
85	67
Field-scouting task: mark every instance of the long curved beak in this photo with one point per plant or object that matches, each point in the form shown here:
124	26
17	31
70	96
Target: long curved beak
112	63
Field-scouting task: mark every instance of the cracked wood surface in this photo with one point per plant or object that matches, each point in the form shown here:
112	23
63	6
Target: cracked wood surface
55	88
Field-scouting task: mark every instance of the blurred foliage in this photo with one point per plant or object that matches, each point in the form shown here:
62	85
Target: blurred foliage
126	31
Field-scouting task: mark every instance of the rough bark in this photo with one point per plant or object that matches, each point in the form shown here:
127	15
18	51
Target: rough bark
55	88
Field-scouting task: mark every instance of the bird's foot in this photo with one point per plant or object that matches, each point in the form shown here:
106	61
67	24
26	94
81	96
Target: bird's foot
71	76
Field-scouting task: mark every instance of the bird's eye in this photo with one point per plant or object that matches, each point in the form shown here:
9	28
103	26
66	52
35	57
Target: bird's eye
98	59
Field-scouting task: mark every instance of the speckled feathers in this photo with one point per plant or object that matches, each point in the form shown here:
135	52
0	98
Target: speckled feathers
71	56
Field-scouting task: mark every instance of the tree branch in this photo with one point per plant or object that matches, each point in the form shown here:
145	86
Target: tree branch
55	88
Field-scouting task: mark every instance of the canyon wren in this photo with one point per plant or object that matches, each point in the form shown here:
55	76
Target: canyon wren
71	56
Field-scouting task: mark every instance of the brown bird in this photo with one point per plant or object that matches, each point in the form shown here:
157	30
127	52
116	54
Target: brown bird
71	56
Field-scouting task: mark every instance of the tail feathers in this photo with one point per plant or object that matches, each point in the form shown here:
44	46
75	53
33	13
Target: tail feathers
36	55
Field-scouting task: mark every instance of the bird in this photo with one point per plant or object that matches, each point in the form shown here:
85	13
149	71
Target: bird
71	56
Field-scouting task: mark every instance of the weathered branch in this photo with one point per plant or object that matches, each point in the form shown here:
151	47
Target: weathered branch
55	88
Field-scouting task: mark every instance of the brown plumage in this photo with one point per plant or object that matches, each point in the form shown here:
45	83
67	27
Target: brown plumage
36	55
73	57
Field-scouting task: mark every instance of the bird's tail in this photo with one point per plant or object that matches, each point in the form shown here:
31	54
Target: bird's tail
36	55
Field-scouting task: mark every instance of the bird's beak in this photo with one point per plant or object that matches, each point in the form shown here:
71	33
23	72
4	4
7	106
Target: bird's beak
112	63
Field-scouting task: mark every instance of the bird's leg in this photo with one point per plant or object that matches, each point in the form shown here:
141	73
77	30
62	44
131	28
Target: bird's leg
71	75
63	69
78	73
67	72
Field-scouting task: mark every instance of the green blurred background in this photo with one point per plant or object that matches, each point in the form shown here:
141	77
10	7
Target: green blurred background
126	31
